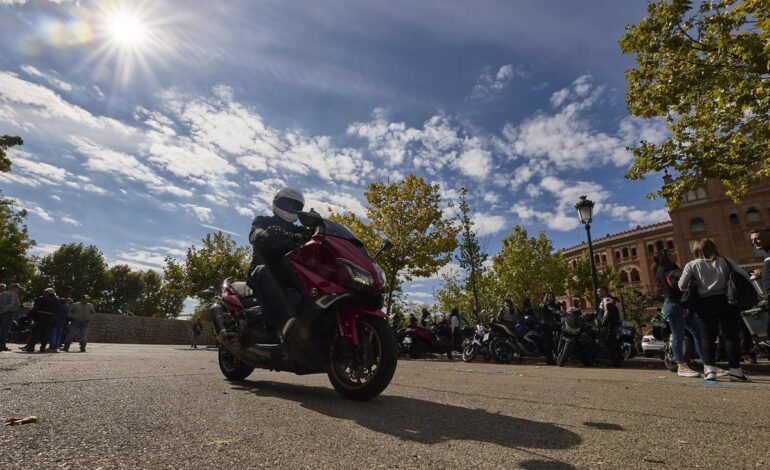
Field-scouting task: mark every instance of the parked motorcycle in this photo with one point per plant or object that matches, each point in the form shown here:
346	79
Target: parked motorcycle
435	339
21	328
582	340
338	328
477	344
627	337
525	339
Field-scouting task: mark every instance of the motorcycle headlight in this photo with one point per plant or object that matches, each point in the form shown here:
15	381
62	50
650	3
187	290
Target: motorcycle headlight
357	274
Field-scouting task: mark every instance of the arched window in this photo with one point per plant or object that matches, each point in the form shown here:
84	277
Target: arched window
753	215
604	258
670	244
633	251
697	225
635	275
690	196
597	259
623	277
625	252
734	219
583	303
659	244
617	255
701	193
650	248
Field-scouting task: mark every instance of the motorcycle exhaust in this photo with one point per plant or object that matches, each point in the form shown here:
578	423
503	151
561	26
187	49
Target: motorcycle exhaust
215	311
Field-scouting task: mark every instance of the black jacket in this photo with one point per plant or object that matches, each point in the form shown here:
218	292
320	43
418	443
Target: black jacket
47	303
549	312
271	238
671	293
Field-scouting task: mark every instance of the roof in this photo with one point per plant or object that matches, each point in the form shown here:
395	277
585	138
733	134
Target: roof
639	230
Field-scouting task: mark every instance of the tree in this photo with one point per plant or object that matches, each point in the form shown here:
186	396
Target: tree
15	266
528	267
635	303
172	291
705	71
122	289
73	270
408	213
204	269
470	257
579	279
6	142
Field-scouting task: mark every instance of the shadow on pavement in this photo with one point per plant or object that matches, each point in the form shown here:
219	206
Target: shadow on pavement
422	421
545	465
603	426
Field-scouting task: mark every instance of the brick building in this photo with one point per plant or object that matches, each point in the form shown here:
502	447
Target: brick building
704	213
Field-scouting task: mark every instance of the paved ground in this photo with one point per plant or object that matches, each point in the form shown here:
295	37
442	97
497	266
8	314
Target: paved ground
121	406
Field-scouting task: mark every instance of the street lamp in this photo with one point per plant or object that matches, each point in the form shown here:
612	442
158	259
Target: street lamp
585	208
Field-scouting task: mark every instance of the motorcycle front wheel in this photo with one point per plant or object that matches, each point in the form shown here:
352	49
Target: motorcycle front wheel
470	352
565	353
231	367
668	359
362	372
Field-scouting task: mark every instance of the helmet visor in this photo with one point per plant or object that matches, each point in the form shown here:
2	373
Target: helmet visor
289	205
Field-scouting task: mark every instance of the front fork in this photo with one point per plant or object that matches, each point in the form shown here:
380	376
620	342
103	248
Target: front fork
347	321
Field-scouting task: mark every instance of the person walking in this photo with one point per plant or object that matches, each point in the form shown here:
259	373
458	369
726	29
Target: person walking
9	303
426	321
667	274
81	314
197	331
711	272
45	309
550	312
454	327
61	322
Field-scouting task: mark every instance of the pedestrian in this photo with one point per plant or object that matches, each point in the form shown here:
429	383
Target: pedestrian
711	272
61	323
81	314
3	287
610	318
45	309
760	239
508	315
454	327
526	308
9	303
413	322
197	330
426	319
667	274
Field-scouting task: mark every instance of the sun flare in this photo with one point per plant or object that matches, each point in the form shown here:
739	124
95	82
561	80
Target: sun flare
126	29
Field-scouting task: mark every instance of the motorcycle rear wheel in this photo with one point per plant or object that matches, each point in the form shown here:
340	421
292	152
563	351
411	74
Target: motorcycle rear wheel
668	360
231	367
372	364
564	354
501	352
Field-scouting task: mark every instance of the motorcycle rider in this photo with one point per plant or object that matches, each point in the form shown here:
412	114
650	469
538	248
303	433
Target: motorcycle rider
272	237
413	323
509	315
426	319
550	310
609	318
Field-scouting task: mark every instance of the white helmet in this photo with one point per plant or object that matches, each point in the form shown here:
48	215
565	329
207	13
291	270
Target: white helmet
287	202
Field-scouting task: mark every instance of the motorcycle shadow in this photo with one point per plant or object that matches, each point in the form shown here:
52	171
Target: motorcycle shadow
422	421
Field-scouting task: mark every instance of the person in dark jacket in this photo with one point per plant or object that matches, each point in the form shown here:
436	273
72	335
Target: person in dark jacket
46	308
526	308
197	331
425	320
550	311
413	322
760	239
609	322
272	237
667	275
61	322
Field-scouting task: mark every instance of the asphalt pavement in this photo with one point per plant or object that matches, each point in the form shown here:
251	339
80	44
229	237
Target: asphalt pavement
141	406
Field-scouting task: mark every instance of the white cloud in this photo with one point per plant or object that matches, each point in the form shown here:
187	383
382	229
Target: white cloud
220	229
55	198
50	78
488	83
70	221
339	202
43	249
204	214
33	209
474	161
488	224
636	217
141	259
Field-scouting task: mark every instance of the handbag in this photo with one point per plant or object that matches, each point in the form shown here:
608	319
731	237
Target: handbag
739	290
690	299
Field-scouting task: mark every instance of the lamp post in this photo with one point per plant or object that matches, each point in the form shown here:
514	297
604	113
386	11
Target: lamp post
585	208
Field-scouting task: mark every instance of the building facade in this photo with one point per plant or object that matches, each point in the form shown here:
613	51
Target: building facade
704	213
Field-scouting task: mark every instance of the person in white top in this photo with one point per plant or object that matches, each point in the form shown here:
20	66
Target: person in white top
710	271
454	325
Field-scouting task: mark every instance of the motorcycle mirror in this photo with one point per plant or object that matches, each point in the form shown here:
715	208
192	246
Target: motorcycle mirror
311	219
386	245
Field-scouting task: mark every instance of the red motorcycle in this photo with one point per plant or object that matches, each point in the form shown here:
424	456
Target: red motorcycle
337	326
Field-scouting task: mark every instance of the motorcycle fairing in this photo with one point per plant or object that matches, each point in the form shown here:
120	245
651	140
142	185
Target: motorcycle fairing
421	332
348	317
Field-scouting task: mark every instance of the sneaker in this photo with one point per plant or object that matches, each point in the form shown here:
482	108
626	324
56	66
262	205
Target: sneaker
722	372
685	371
710	376
82	349
737	375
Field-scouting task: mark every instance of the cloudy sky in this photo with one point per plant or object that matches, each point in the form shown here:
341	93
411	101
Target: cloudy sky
149	124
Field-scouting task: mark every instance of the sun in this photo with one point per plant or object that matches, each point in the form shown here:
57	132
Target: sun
126	29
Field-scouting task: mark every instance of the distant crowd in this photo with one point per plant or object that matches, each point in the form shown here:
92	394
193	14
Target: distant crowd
54	322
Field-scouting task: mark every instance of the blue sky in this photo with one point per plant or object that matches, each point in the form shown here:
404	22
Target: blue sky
149	124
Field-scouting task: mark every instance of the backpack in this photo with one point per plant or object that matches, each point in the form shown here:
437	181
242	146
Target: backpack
672	279
740	292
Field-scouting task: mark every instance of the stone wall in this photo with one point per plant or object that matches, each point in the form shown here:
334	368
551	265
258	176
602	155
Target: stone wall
105	328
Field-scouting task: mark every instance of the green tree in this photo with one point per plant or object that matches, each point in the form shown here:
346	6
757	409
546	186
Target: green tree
6	142
73	270
409	214
123	288
171	291
15	266
528	267
470	256
579	278
635	303
706	71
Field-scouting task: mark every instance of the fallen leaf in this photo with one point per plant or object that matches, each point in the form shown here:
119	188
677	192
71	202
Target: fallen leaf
15	421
